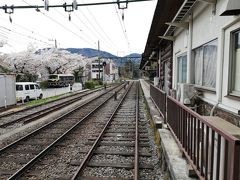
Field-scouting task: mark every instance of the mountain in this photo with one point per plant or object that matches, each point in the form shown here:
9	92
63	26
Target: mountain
88	52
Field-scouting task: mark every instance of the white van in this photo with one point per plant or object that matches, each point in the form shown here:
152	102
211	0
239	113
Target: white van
28	90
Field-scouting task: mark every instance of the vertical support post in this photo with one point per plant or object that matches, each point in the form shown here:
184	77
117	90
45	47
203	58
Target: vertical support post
55	43
99	61
189	52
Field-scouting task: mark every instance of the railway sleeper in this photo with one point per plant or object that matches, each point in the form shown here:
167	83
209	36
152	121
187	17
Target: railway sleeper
119	165
127	144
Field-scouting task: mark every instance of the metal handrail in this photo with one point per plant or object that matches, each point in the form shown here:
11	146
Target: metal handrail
159	98
211	151
223	133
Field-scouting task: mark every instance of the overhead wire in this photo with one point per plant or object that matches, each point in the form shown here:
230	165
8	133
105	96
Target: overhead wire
32	37
26	29
100	27
64	27
2	35
76	26
105	37
123	29
2	28
23	35
97	34
106	43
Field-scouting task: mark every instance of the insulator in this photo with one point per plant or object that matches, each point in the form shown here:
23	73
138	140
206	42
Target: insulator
122	15
10	18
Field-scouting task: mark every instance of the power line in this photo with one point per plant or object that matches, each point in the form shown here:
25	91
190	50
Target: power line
76	26
10	9
26	29
96	35
123	29
67	29
62	25
26	36
100	27
109	45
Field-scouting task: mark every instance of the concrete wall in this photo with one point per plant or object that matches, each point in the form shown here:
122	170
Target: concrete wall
7	90
207	26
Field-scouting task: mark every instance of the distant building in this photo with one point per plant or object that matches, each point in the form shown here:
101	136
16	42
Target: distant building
108	73
95	68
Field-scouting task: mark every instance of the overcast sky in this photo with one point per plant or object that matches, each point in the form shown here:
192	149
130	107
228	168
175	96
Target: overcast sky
88	25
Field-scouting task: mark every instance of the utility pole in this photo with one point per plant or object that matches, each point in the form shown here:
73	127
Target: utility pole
55	43
99	60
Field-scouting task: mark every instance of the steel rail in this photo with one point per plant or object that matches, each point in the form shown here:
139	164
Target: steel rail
97	141
46	111
52	122
52	101
48	148
136	156
34	106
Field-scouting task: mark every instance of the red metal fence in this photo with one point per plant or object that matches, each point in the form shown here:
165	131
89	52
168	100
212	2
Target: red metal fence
159	98
212	152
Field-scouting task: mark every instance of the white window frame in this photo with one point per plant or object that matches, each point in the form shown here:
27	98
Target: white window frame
232	70
180	58
201	84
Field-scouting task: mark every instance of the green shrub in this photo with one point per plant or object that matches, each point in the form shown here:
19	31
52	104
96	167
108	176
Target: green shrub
89	84
44	84
100	82
93	84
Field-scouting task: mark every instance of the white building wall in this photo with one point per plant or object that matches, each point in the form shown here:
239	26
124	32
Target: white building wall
95	70
208	26
179	48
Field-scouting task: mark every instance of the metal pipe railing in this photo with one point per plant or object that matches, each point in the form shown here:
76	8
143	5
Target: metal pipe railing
159	98
212	152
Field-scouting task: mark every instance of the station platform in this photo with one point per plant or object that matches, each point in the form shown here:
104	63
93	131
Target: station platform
170	154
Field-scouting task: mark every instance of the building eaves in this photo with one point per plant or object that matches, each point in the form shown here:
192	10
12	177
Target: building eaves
166	11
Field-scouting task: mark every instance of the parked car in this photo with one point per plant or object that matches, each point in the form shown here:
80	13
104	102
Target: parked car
28	90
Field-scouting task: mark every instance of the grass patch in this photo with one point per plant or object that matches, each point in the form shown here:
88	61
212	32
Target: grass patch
42	101
99	86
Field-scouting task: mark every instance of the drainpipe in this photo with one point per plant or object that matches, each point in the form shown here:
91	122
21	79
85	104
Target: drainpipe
189	52
221	66
220	85
159	68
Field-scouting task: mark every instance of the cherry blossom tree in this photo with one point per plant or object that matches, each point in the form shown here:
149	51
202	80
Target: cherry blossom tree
33	64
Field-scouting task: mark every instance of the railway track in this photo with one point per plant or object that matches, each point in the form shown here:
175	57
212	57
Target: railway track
110	141
123	130
30	114
22	153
